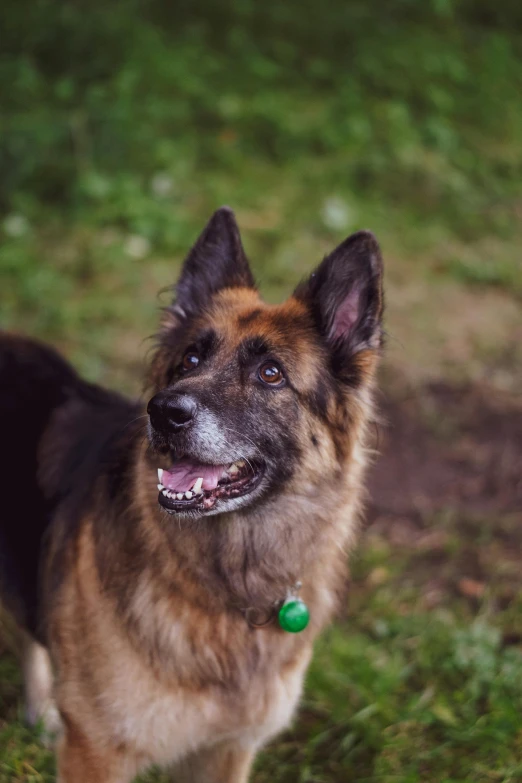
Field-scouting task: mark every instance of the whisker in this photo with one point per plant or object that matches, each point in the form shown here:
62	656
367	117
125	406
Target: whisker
143	416
230	429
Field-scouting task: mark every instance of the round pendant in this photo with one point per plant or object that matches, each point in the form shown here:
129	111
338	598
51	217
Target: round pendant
294	615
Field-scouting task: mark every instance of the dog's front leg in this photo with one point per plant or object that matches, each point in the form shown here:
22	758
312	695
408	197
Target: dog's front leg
81	761
228	762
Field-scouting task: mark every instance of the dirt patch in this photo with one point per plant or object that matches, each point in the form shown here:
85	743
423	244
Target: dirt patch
446	447
447	489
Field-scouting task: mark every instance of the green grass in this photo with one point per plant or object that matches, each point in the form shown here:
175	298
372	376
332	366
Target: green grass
122	131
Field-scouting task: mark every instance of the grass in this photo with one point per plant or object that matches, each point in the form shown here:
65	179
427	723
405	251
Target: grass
121	133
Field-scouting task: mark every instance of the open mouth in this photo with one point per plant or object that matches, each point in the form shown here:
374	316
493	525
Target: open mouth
190	485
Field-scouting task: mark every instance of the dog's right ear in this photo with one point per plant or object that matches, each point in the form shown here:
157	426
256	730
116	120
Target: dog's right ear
216	261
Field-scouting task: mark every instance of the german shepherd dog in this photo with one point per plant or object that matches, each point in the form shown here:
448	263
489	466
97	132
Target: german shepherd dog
151	556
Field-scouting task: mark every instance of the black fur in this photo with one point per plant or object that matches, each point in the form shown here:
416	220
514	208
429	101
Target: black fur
34	381
216	261
37	389
252	348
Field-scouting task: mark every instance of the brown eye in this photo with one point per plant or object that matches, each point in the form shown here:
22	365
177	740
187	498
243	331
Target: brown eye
271	373
190	361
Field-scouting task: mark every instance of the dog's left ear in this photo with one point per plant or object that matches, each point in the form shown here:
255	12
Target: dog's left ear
345	296
216	261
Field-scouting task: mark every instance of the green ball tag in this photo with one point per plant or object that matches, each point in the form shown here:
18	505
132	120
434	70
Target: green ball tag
294	615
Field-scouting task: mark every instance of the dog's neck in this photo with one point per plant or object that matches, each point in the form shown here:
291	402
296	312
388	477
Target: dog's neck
253	556
242	559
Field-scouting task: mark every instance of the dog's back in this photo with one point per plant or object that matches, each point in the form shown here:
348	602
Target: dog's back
56	431
34	382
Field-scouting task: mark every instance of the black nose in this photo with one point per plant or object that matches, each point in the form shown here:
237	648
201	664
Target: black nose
170	411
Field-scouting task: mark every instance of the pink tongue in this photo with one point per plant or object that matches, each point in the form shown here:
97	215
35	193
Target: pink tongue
184	474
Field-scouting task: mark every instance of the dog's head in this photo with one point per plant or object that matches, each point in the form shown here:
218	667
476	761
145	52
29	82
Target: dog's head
248	393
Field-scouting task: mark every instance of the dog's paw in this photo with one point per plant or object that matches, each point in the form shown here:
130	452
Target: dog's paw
47	723
41	711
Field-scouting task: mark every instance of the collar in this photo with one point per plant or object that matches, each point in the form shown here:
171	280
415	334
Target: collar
291	612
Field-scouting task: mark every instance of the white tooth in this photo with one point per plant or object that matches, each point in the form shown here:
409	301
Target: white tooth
240	463
180	496
233	469
160	487
197	486
165	492
188	494
160	474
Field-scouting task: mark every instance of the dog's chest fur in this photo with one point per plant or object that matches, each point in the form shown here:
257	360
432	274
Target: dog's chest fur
171	678
164	721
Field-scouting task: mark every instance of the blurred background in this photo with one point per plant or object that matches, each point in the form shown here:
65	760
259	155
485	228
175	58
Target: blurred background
123	125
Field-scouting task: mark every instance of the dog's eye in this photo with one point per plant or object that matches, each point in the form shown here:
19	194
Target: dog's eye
271	373
190	361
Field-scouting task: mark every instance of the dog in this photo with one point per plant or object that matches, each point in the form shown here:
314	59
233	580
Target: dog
172	566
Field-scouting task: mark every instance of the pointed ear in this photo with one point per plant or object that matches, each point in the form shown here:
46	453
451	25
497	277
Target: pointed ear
216	261
345	297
